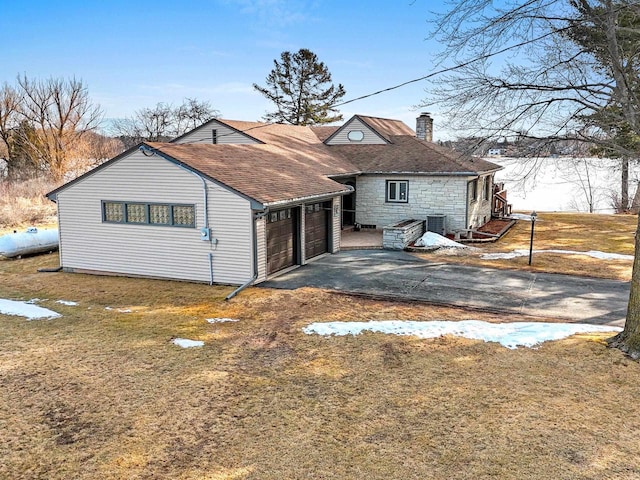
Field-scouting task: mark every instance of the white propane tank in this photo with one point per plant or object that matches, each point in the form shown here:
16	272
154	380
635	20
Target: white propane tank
29	242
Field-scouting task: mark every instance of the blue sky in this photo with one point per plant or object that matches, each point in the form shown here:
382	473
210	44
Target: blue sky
136	53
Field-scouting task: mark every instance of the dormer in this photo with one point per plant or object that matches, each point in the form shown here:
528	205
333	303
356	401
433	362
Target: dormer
217	131
363	130
356	131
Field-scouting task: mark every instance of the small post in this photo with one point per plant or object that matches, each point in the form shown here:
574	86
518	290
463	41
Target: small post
534	215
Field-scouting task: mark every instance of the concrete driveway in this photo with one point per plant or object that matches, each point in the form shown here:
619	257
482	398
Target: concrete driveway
399	275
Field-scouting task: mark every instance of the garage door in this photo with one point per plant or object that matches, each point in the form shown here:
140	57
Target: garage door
281	251
316	229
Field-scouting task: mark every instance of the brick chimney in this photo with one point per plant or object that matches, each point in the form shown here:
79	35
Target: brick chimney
424	127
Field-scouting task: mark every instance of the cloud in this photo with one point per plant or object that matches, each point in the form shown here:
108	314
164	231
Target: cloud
276	13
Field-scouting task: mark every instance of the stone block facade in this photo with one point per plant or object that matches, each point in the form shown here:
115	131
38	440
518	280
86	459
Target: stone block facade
396	237
426	196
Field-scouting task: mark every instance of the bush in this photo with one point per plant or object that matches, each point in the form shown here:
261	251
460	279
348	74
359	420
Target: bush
24	203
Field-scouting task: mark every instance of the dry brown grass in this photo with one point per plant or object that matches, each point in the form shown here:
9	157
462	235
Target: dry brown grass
24	203
560	231
103	394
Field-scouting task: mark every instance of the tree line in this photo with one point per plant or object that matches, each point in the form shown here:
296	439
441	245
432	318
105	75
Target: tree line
49	127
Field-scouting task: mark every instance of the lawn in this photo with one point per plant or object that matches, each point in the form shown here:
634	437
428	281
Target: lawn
102	393
559	231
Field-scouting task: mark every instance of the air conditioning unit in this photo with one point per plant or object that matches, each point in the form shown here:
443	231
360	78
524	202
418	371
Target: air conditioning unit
437	224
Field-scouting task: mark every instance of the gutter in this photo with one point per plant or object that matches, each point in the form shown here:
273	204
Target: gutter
256	217
300	200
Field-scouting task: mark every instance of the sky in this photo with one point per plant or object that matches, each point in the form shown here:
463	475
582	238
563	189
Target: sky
133	54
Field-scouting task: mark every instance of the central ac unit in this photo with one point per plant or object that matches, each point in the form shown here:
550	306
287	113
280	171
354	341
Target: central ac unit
437	224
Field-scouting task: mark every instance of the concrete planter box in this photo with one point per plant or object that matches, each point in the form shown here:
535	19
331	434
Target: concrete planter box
401	234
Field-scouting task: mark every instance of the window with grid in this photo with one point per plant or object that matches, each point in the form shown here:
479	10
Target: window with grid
161	214
113	212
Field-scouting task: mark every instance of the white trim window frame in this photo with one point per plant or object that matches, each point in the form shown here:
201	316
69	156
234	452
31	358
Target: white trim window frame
397	191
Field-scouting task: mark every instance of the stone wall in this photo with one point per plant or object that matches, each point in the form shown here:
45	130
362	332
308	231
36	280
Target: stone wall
395	237
427	196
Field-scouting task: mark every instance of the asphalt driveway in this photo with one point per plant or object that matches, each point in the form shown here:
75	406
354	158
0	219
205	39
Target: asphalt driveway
400	275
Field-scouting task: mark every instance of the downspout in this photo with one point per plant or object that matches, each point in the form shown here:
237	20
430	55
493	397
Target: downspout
256	217
205	194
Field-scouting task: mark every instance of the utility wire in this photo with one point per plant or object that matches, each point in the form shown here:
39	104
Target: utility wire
436	73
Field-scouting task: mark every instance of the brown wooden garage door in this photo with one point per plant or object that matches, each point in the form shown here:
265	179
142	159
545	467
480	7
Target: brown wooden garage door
281	251
316	229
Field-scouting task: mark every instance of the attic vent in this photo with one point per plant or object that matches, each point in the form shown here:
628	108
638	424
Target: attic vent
437	224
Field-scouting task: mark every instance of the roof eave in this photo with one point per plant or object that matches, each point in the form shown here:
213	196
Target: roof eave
308	198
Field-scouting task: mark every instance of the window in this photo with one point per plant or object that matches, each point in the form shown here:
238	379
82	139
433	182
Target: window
279	215
397	191
113	212
486	188
136	213
355	135
473	190
214	136
166	214
159	215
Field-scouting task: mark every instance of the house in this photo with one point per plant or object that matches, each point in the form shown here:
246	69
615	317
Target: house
233	202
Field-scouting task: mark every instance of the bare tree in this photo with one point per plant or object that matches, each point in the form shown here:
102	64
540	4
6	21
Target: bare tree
61	113
10	117
581	74
163	122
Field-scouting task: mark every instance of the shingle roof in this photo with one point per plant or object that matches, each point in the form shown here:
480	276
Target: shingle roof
387	127
266	173
407	154
293	163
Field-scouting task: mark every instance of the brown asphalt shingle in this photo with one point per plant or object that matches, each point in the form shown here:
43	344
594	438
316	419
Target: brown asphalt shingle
294	163
266	173
407	154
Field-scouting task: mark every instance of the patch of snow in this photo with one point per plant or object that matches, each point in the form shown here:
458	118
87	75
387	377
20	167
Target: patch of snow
510	335
222	320
67	302
121	310
523	253
521	216
36	300
26	309
186	343
431	239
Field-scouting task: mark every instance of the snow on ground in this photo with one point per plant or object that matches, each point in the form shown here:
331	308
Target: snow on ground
523	253
186	343
221	320
121	310
67	302
431	239
24	309
510	335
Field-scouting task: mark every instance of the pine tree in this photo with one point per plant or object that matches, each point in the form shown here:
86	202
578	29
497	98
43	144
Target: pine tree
301	88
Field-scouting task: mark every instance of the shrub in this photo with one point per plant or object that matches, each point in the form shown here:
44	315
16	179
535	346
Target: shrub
24	203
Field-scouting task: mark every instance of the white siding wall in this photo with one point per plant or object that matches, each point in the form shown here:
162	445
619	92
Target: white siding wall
427	196
370	137
156	251
479	208
203	134
261	232
336	234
